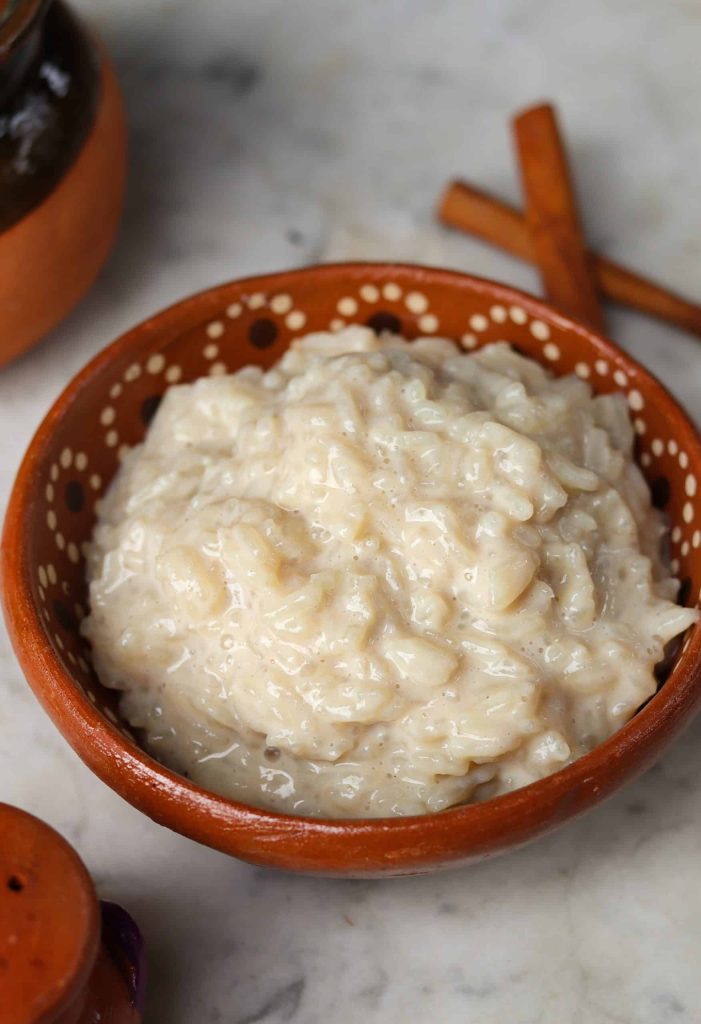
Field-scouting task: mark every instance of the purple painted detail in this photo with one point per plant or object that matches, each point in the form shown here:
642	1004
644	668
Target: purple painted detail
125	945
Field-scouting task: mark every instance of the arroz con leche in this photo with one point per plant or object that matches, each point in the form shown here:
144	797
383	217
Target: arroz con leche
382	578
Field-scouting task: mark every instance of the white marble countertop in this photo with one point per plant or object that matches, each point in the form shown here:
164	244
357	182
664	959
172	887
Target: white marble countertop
280	132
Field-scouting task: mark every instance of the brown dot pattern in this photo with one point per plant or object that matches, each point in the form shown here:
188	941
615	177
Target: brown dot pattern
262	333
384	321
660	491
75	496
64	617
149	408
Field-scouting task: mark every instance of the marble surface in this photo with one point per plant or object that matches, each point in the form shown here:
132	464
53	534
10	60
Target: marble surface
280	132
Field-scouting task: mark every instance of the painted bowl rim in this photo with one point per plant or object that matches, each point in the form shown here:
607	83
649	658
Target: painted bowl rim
254	833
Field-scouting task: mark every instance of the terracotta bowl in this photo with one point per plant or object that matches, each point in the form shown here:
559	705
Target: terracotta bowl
107	407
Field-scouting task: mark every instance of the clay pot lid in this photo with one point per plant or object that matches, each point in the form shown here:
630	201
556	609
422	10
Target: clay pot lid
49	921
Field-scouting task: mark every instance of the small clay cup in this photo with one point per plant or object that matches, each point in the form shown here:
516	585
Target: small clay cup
107	408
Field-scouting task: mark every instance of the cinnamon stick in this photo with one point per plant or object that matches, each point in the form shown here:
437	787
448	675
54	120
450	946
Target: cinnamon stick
470	209
552	215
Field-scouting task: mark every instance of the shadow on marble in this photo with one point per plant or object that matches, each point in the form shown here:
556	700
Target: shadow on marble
175	116
266	938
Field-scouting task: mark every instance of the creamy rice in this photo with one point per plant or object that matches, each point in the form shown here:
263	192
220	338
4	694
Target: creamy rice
381	578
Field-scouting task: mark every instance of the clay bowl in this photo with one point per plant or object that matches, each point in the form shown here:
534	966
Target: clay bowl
107	406
61	198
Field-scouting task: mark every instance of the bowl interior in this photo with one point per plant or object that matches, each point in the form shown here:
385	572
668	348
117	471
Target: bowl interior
108	408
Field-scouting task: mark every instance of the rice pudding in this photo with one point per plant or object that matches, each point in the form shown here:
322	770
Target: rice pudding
381	578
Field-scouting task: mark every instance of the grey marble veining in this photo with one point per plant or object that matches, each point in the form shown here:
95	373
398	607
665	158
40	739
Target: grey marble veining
280	132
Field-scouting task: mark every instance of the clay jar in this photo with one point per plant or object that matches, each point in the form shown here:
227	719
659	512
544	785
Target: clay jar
62	167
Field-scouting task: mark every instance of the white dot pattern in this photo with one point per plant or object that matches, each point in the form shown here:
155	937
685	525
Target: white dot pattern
156	363
281	304
416	302
296	320
215	329
369	293
347	306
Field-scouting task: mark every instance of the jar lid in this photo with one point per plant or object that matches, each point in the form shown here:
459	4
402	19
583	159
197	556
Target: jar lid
49	920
